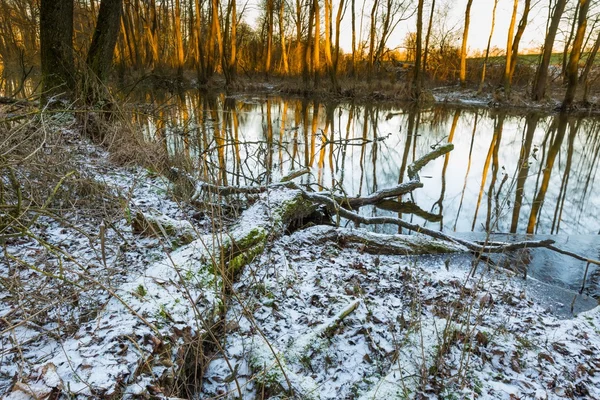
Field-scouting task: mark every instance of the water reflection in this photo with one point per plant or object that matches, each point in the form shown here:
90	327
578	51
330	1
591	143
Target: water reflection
508	173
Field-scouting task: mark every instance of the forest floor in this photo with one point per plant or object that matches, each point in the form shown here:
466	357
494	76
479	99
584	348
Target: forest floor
94	307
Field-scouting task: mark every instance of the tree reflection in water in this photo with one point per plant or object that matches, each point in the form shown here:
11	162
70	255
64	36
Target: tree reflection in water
536	172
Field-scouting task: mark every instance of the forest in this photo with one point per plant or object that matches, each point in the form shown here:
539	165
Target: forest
236	42
299	199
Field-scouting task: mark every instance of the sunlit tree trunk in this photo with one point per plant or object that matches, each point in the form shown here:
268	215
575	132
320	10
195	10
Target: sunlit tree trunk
269	36
216	30
328	29
306	60
573	66
192	45
463	49
179	56
317	41
541	77
56	35
233	41
129	37
300	58
152	34
517	40
487	49
511	30
284	56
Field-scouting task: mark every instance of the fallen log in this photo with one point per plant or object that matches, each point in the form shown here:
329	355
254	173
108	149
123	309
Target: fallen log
138	341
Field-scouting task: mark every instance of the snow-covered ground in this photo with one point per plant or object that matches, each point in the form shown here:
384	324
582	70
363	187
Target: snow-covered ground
307	318
421	327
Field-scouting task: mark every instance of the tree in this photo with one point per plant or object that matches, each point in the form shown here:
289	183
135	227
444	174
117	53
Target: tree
428	35
541	76
56	47
417	77
463	49
573	65
487	49
100	54
509	46
517	40
269	21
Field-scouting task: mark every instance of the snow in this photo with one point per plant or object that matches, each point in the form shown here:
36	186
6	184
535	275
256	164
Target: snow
325	319
390	345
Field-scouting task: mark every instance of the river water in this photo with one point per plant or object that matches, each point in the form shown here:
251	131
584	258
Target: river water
508	173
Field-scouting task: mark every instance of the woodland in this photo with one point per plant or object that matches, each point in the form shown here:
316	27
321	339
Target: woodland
233	42
183	258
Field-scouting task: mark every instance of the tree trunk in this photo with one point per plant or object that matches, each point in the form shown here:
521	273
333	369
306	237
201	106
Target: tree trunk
179	57
284	56
590	61
541	77
56	35
233	41
418	74
463	49
487	49
517	40
563	71
306	60
427	36
511	30
372	34
201	63
573	66
328	29
269	36
338	22
353	39
100	54
152	29
317	40
216	31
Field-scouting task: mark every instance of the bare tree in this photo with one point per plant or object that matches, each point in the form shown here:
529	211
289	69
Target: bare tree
511	29
463	49
517	40
417	84
541	77
573	66
487	49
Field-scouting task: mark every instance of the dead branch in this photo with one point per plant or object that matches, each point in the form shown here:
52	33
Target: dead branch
414	168
380	195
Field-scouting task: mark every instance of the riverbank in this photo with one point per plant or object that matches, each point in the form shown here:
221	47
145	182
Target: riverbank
386	91
115	286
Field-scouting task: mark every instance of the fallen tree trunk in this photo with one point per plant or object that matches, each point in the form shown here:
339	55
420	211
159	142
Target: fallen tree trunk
139	340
